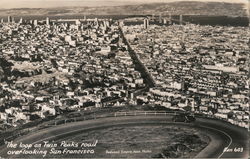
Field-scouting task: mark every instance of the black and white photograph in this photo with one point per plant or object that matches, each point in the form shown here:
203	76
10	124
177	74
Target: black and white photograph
124	79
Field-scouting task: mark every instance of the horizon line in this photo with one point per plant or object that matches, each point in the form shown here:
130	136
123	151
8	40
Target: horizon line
111	3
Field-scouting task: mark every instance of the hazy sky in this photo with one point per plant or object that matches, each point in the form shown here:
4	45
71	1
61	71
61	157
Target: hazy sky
63	3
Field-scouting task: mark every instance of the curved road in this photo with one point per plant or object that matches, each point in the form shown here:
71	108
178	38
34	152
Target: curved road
222	134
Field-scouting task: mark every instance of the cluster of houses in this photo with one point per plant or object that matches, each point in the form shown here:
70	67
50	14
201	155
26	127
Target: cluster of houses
203	69
63	66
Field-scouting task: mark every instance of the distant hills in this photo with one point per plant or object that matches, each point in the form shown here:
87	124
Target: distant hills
174	8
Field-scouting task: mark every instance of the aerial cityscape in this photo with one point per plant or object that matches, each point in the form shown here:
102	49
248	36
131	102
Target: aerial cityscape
58	71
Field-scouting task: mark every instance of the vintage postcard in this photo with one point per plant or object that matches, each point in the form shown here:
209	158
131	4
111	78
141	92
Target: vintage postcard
124	79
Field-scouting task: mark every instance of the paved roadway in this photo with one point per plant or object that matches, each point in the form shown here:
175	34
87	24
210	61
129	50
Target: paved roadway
233	137
222	134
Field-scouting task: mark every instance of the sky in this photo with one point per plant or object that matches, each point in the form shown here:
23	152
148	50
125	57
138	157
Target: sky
65	3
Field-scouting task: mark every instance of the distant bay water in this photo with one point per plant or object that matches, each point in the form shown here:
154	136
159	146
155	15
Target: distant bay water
195	19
